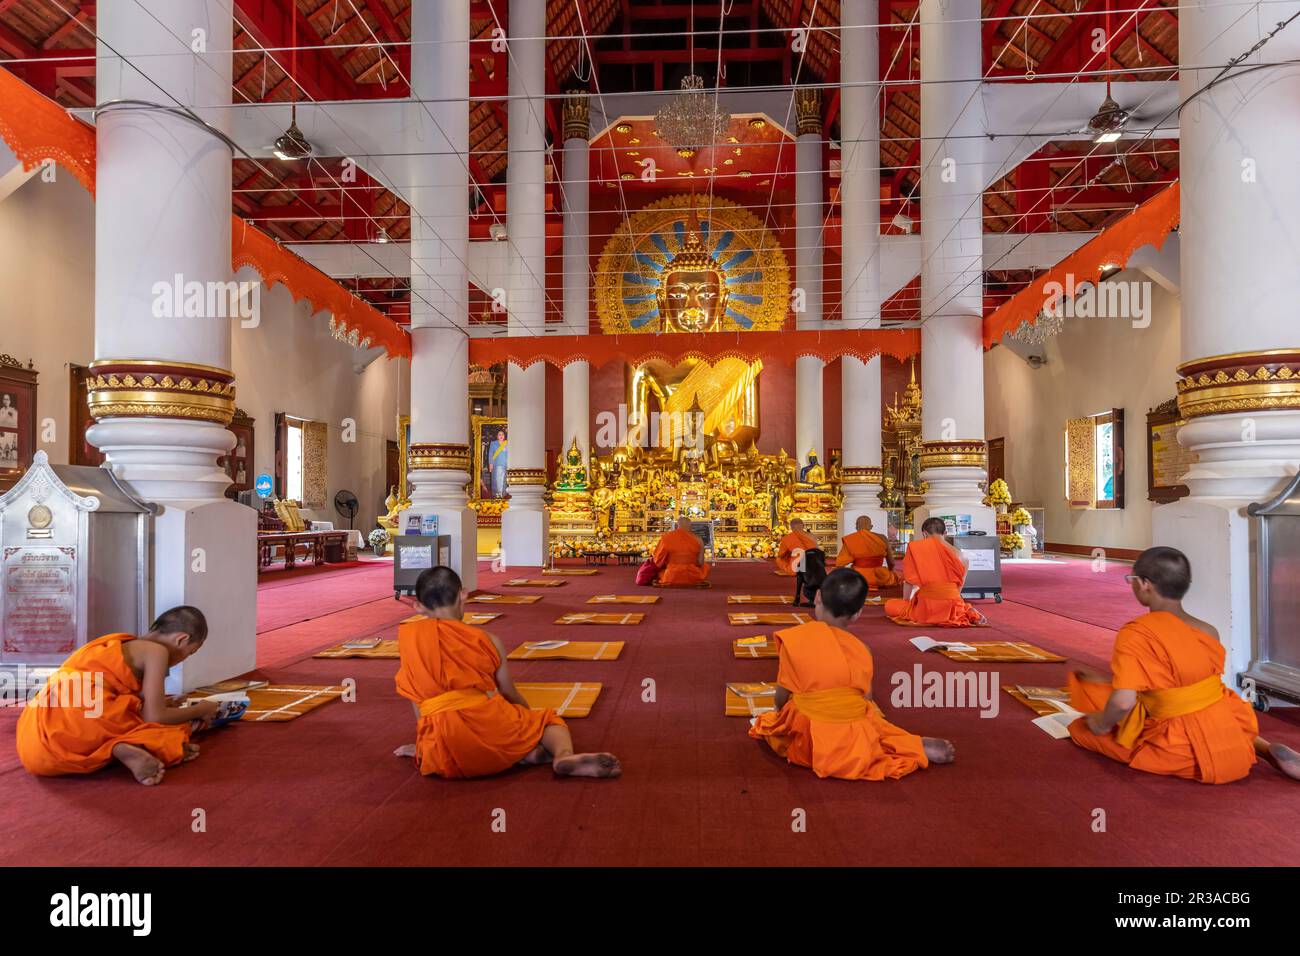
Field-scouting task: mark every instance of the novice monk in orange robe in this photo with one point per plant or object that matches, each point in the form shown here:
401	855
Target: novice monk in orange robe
792	547
680	557
937	571
868	554
470	719
1165	708
106	702
825	717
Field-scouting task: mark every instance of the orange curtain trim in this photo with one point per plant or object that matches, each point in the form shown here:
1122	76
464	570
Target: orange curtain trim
1148	224
770	347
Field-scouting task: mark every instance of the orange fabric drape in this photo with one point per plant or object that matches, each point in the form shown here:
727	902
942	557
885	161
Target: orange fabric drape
675	347
1149	224
38	129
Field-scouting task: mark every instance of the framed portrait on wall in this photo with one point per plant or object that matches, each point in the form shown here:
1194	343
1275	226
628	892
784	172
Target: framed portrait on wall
491	456
17	419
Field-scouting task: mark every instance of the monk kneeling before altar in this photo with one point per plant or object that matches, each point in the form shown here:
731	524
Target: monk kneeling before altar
106	702
936	570
471	721
679	555
1165	708
868	554
825	717
792	547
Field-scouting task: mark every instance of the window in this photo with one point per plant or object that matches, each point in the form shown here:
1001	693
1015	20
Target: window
293	459
1094	460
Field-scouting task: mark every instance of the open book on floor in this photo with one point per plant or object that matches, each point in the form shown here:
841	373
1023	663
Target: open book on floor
924	644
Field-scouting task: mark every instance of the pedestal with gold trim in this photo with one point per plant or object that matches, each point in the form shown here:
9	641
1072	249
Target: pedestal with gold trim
438	473
954	472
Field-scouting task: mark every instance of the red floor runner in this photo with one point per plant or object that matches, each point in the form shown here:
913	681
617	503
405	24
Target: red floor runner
696	790
1078	588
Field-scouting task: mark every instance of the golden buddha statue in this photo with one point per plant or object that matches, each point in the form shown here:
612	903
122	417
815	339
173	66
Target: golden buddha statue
692	295
812	475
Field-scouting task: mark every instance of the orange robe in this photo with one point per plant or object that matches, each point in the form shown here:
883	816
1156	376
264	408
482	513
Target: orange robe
1158	652
466	728
89	706
828	724
937	570
865	552
677	555
794	541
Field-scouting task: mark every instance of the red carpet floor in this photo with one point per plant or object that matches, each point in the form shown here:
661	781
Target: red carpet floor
324	790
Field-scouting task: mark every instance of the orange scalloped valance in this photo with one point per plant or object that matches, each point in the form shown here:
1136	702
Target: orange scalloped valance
38	129
1148	224
676	347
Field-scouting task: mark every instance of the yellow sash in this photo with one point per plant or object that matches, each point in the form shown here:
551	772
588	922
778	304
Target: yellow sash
839	705
939	592
1166	704
453	700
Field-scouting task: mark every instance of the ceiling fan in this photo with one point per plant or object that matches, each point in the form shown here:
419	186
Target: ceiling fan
292	144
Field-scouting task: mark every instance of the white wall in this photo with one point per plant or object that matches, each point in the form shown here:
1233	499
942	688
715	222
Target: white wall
288	363
47	290
1092	366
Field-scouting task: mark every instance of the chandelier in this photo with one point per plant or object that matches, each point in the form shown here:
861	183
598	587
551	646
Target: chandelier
691	119
1049	324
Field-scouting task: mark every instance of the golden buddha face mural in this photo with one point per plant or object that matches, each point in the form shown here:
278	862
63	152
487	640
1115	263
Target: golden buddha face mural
692	264
693	293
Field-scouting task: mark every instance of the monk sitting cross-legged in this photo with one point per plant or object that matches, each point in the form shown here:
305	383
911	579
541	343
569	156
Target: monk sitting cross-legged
470	719
679	556
825	717
1165	708
935	569
868	554
792	546
106	702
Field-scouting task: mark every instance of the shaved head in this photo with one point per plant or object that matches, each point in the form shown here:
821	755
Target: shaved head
934	526
863	523
684	523
1168	570
796	524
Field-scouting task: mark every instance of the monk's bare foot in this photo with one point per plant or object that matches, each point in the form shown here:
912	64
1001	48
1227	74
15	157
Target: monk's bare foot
406	750
588	765
1285	759
191	751
539	755
938	750
144	766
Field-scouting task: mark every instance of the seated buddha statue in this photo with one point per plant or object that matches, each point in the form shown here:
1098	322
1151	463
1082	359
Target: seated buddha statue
812	475
571	473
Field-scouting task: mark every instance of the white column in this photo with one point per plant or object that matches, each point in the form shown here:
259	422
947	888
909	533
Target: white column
164	391
1239	246
524	525
577	269
953	455
860	255
808	218
438	192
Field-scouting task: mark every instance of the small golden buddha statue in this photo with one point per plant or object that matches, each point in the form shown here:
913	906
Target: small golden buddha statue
812	475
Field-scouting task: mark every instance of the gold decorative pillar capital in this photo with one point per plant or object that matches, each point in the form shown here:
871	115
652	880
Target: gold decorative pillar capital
577	116
148	388
959	453
808	111
520	477
434	456
867	475
1240	382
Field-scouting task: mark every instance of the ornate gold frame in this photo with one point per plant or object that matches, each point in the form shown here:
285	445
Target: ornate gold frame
403	452
476	451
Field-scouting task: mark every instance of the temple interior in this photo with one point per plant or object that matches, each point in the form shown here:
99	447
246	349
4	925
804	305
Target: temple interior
304	298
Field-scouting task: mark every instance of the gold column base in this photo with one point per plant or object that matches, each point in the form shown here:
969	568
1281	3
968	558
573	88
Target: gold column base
1241	382
146	388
